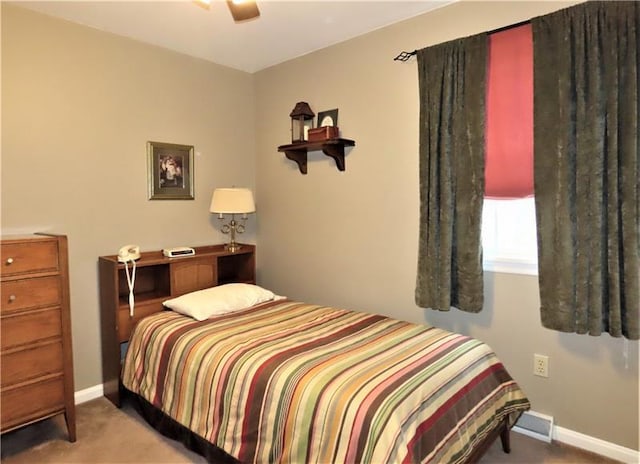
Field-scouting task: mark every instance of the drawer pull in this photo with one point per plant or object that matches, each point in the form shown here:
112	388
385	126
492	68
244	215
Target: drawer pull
12	298
9	261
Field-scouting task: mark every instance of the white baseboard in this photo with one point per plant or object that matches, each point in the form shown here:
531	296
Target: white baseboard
88	394
587	443
569	437
596	445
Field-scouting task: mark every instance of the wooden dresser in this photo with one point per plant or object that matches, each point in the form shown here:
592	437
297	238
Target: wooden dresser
36	380
158	278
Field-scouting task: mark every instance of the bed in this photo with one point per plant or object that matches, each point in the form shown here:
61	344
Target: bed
290	382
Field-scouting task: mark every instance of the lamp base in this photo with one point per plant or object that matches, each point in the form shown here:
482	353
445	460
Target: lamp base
232	247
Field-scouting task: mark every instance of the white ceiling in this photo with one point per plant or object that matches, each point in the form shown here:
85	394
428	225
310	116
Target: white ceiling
285	29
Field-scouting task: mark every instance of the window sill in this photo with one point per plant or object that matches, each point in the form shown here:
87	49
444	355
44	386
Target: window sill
511	266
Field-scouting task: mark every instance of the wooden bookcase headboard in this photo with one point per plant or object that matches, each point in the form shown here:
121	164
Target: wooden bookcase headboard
158	278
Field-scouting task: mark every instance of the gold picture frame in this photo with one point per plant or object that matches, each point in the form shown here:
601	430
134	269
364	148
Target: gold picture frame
169	171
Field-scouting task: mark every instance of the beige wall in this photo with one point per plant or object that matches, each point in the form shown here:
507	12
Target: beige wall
78	107
350	238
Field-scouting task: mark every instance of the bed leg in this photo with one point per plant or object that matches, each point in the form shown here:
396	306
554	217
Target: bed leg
505	438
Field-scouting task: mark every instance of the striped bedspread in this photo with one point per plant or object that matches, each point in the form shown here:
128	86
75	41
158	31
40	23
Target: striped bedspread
288	382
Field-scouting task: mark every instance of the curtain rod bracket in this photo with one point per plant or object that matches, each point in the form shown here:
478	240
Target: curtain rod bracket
405	56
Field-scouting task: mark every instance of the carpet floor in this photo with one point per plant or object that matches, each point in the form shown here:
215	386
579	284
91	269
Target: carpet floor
107	434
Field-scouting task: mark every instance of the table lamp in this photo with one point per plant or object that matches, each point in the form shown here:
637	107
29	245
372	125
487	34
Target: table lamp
232	201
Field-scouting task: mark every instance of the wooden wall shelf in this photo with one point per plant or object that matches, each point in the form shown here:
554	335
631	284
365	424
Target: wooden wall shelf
333	148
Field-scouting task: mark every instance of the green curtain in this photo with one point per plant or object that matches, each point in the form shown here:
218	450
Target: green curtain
586	154
452	106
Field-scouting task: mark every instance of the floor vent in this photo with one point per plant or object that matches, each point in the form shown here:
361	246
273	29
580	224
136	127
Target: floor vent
535	425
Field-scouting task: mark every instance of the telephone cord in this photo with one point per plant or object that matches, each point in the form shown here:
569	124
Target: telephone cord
131	280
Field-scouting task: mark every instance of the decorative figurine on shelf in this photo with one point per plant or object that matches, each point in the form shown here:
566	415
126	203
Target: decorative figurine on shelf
301	121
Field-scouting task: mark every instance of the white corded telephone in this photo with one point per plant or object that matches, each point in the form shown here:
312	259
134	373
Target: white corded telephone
129	253
125	254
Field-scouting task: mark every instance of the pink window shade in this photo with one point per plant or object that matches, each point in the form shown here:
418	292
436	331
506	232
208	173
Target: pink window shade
509	123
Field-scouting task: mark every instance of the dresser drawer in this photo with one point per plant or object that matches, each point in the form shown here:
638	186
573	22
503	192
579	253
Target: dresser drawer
31	363
30	293
23	328
19	258
22	405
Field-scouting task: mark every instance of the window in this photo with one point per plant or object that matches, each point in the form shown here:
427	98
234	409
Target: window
509	241
509	219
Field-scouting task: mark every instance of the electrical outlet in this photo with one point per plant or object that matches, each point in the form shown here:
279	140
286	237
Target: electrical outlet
541	365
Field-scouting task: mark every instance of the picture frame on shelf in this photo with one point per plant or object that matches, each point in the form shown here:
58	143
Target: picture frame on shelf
170	171
328	118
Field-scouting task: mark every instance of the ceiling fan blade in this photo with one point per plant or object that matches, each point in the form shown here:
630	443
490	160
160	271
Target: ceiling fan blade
203	3
241	11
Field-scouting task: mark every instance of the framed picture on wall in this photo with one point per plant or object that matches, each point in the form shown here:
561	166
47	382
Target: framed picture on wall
170	171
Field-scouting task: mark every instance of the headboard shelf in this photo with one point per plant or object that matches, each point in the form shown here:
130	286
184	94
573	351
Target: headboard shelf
141	298
158	278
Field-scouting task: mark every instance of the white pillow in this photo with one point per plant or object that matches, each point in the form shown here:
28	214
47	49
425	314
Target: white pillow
218	300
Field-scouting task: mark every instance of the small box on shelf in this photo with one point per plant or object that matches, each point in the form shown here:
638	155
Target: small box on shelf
323	133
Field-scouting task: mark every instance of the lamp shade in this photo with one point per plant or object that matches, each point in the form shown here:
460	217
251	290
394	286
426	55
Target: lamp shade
232	201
